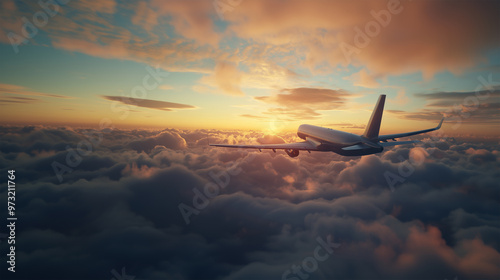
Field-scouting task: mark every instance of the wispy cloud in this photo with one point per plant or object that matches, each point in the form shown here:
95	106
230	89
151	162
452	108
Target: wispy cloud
304	102
165	87
18	99
454	95
15	89
148	103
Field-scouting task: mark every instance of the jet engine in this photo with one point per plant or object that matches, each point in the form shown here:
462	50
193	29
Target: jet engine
292	152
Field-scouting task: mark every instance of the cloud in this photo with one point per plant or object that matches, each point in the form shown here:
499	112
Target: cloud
270	139
309	27
166	87
453	97
148	103
308	96
363	79
297	103
253	117
191	20
20	90
106	6
145	16
226	77
92	29
165	139
9	20
470	107
111	50
276	37
121	202
18	99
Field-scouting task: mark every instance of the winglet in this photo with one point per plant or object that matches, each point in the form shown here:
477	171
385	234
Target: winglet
440	123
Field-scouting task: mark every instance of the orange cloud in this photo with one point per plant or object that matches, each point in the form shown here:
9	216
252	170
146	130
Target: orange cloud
307	96
103	6
111	50
15	89
145	16
426	36
17	99
300	103
227	78
363	79
480	260
10	20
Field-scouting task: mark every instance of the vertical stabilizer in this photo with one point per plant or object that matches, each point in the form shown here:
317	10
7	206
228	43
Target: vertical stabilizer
373	126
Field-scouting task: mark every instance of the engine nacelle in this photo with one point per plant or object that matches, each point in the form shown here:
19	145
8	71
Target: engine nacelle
292	152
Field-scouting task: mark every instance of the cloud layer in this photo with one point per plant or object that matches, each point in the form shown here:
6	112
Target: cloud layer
118	207
273	37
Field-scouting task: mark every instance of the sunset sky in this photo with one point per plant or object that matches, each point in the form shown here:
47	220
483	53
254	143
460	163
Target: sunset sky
107	109
264	65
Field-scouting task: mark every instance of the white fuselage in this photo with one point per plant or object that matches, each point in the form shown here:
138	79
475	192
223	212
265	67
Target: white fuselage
335	140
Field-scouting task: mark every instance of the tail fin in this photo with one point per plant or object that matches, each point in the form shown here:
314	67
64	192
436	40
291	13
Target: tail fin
373	126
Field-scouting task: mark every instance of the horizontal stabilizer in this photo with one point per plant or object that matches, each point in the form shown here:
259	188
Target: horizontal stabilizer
406	134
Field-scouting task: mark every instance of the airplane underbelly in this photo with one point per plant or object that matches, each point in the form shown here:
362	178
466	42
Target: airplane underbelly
358	150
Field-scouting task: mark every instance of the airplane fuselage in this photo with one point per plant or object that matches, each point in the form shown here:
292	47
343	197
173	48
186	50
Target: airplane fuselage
337	141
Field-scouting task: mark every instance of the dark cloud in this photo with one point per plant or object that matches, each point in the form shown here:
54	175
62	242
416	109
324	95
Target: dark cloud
253	117
166	139
493	92
473	107
119	207
17	99
148	103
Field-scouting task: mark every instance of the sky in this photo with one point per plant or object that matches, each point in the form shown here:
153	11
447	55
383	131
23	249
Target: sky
107	107
262	65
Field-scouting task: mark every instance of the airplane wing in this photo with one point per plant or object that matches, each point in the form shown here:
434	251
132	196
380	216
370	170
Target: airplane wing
399	135
305	145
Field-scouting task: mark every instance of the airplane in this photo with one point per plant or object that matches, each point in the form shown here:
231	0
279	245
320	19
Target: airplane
340	142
